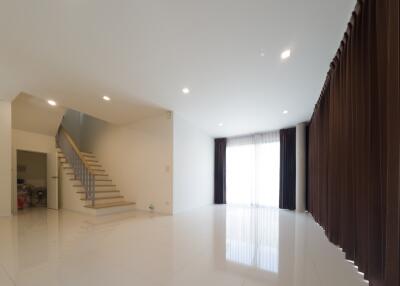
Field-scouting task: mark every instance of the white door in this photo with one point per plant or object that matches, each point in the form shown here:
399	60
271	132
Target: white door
52	180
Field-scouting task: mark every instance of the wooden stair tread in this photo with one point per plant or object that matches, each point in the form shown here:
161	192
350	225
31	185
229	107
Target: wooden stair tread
96	175
106	198
109	205
80	186
97	180
88	155
105	191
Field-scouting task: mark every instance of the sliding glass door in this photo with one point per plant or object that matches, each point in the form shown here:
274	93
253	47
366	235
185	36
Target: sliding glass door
252	170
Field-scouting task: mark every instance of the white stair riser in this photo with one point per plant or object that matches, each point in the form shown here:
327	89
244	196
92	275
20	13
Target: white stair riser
113	200
102	195
104	183
98	189
99	184
97	177
98	170
100	175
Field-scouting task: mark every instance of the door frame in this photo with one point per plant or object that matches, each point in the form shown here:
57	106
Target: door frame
14	195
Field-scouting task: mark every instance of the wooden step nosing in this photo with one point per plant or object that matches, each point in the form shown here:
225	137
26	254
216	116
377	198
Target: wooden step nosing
97	180
110	205
105	198
105	191
102	186
99	175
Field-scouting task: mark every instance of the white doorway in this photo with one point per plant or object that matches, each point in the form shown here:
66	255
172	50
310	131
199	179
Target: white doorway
252	170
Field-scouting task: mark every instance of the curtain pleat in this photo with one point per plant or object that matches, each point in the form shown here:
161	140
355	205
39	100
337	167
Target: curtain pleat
287	181
392	253
220	171
354	144
258	138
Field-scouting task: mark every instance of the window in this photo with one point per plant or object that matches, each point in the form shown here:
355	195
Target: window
252	170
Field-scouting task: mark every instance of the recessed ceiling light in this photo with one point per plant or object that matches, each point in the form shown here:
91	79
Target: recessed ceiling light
262	54
286	54
106	98
185	90
220	124
285	112
52	102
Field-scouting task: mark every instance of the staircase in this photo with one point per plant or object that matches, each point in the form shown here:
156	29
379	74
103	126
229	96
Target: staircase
95	192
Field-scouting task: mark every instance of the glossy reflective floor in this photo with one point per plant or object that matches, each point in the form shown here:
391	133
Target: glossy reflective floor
214	245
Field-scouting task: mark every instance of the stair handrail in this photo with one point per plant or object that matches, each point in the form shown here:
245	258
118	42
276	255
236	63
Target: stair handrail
75	147
81	168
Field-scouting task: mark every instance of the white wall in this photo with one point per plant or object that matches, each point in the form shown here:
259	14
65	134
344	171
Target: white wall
5	158
28	141
138	158
193	167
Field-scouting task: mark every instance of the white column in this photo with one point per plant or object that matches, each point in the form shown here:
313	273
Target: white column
5	158
301	167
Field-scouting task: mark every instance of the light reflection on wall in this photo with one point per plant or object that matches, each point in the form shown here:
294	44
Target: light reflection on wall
252	237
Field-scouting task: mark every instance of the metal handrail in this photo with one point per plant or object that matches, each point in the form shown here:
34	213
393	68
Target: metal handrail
78	163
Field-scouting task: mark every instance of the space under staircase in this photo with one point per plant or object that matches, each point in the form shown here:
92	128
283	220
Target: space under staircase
89	179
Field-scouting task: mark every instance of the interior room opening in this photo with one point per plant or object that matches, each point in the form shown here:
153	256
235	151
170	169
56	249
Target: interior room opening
31	180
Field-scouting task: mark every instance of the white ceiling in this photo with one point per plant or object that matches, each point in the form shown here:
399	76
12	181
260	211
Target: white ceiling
142	53
32	114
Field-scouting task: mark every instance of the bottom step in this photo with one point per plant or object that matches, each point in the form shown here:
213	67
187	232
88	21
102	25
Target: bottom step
105	198
109	205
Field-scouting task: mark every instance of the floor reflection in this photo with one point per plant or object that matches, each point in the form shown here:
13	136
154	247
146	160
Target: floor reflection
216	245
252	237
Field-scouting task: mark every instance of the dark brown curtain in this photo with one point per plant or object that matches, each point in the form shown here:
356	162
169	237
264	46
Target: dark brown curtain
287	176
220	171
354	142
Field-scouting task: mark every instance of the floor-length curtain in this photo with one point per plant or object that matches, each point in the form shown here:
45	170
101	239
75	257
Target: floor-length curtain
354	142
220	171
252	165
287	178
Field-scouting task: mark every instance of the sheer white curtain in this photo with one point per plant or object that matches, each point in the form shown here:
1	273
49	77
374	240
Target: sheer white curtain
252	170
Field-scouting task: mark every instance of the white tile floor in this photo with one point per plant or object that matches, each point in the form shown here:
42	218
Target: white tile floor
214	245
